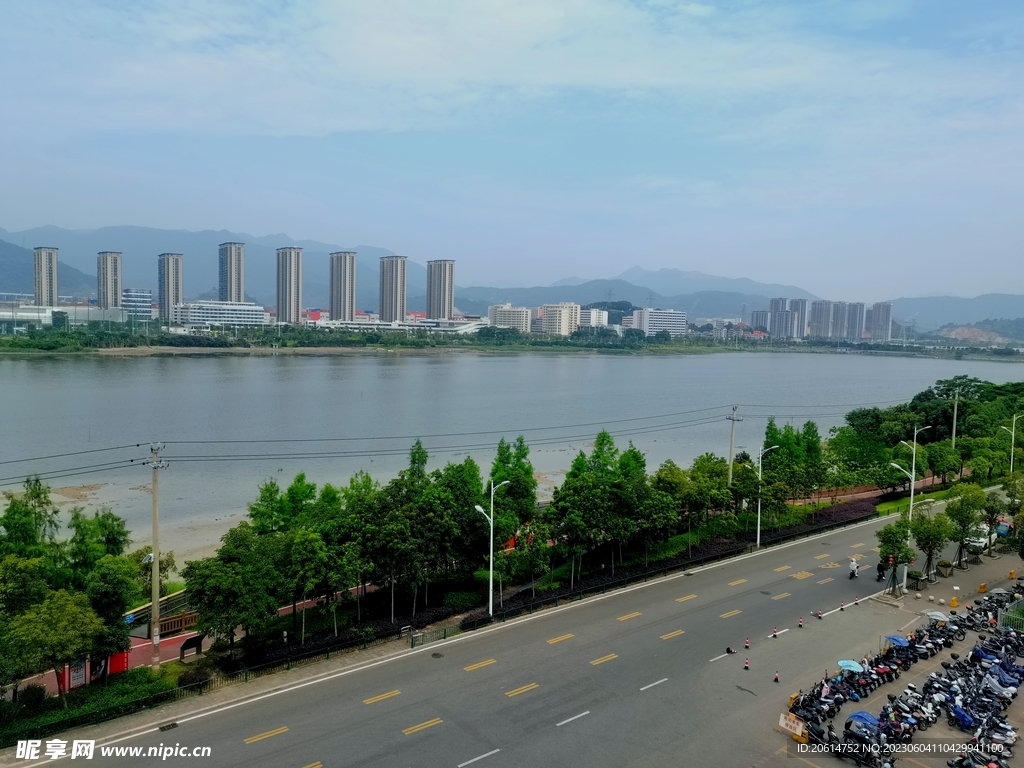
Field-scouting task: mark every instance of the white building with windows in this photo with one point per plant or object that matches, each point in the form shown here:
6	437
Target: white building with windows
560	319
138	303
650	321
594	318
219	313
507	316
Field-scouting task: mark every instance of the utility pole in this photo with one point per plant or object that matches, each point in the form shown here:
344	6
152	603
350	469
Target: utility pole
732	438
956	402
154	610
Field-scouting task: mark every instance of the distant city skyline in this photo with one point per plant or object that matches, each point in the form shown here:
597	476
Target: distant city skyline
823	145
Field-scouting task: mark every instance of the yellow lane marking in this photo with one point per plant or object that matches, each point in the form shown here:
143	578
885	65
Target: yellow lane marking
854	546
267	735
858	556
317	764
801	575
782	568
738	581
629	616
524	689
684	599
826	581
875	549
780	597
829	565
730	613
603	659
559	639
422	726
670	635
821	557
480	664
383	696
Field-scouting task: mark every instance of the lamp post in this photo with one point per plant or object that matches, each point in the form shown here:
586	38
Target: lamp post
912	475
490	519
760	456
1013	437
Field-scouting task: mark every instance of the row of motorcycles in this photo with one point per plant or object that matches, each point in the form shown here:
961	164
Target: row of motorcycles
971	692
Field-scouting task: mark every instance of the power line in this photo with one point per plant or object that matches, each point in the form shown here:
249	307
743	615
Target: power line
58	475
71	453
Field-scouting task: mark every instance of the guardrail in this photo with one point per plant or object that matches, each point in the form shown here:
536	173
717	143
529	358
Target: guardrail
1012	616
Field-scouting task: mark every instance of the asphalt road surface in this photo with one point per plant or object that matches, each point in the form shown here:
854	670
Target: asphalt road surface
634	678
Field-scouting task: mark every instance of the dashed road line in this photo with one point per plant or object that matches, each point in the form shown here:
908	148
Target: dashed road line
738	581
781	631
574	717
524	689
854	546
684	599
730	614
375	699
422	726
559	639
480	664
629	616
478	757
801	575
651	685
782	596
670	635
782	568
821	557
317	764
826	581
603	659
266	735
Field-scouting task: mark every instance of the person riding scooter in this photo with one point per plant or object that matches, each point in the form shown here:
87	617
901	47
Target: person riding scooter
854	569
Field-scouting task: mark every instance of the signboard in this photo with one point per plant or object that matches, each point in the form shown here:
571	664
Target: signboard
129	619
77	675
790	723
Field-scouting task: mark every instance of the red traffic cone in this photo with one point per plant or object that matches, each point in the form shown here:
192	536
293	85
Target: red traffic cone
819	613
746	663
856	601
746	643
775	632
842	605
776	677
801	624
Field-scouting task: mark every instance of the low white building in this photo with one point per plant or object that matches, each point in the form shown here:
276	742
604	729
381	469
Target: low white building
650	321
219	313
594	318
507	316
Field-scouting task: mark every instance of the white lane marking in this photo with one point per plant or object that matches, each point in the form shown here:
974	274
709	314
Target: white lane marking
663	680
852	605
577	717
481	757
719	657
912	621
779	632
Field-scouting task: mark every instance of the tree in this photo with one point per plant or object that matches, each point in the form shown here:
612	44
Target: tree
963	512
30	521
61	630
994	510
1013	485
146	569
892	542
112	588
309	566
215	592
22	584
931	534
93	538
533	554
942	459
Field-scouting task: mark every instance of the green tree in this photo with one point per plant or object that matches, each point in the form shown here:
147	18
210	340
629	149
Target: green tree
994	510
1013	485
112	588
963	511
308	567
146	569
931	534
892	542
93	538
61	630
22	585
215	591
30	521
942	459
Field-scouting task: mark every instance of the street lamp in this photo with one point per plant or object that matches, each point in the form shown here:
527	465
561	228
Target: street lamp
1013	436
760	456
490	519
912	475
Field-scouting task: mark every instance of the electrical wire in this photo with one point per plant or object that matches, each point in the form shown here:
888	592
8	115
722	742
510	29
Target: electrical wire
71	453
59	474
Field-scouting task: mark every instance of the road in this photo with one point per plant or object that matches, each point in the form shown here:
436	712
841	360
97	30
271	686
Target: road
634	678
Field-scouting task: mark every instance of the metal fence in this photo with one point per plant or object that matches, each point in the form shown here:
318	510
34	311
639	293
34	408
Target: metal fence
1012	616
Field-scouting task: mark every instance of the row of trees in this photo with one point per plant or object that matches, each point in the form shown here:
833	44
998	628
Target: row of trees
62	600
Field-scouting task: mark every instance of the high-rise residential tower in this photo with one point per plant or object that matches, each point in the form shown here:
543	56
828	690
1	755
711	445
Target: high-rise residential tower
799	309
820	326
440	289
289	285
855	321
343	286
392	289
170	284
232	272
881	321
46	277
108	279
838	320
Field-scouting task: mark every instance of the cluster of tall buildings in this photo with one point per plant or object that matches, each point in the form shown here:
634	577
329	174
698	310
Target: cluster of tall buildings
850	321
564	318
231	306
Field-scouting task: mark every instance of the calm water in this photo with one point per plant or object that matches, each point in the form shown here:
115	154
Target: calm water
368	408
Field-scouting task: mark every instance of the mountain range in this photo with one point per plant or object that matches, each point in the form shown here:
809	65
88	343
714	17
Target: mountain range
698	293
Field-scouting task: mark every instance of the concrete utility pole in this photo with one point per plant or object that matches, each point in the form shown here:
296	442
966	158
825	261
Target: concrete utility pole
732	437
956	402
154	610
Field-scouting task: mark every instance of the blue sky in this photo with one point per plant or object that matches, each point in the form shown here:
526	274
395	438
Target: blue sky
861	150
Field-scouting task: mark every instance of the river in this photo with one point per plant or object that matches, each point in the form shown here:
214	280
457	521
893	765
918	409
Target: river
365	409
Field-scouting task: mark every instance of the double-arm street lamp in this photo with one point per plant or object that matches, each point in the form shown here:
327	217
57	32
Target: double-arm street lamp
490	519
760	456
1013	437
912	476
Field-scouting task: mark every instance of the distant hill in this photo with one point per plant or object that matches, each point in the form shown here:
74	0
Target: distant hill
17	274
699	304
141	245
929	313
674	282
999	331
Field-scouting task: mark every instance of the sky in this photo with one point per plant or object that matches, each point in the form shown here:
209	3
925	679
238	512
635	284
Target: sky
851	148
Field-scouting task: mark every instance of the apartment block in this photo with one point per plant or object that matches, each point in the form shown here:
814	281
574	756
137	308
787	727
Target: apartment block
46	277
